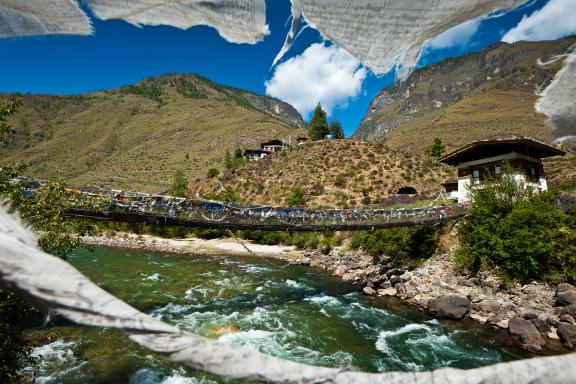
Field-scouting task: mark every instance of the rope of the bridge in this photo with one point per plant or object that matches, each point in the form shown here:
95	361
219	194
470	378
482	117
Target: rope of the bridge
254	253
216	211
53	284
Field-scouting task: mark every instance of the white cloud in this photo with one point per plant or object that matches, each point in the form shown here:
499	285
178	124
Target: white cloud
326	75
556	19
456	36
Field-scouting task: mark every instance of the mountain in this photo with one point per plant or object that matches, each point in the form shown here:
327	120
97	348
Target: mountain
459	100
335	173
137	136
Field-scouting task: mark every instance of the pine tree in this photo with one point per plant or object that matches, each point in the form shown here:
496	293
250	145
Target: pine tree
436	149
180	185
336	129
318	127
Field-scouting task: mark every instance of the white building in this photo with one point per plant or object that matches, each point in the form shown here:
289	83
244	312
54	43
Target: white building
482	159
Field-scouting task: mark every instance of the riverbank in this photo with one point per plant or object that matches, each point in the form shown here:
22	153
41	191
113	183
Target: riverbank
538	315
195	246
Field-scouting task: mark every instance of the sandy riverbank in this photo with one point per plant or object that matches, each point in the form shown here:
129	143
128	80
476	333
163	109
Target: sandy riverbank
195	246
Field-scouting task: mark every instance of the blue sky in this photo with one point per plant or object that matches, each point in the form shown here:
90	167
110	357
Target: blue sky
119	54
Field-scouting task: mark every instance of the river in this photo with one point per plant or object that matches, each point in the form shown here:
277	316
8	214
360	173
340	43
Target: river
294	312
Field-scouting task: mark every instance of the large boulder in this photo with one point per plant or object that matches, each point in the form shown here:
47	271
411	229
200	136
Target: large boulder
570	310
540	324
450	307
566	297
567	334
563	287
527	333
487	306
368	290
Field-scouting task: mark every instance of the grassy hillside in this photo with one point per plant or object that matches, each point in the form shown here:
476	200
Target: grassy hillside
335	173
460	100
136	137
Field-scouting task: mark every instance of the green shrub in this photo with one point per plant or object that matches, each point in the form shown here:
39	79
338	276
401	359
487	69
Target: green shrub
404	245
296	197
227	195
340	181
521	235
306	240
179	185
266	238
212	173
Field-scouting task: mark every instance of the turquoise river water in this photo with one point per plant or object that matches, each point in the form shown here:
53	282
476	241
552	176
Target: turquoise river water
294	312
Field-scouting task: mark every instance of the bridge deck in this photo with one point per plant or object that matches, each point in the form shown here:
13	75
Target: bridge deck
165	210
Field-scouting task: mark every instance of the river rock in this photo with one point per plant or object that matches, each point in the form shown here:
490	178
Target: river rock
395	279
387	292
570	310
540	324
553	334
450	307
567	319
478	317
340	270
567	334
386	285
407	276
527	333
563	287
368	290
566	298
487	306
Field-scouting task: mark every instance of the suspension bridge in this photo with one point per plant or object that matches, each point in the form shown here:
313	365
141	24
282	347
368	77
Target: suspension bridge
134	207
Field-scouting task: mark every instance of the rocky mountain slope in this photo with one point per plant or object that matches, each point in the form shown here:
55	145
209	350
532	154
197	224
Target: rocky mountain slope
335	173
135	137
459	100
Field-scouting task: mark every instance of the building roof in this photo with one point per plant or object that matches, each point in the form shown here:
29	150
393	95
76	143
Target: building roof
487	148
248	152
273	142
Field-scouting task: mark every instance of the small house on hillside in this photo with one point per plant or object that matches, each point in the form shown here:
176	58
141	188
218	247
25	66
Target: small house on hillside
485	158
272	146
254	154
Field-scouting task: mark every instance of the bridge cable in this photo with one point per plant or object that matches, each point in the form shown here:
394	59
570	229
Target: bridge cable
254	253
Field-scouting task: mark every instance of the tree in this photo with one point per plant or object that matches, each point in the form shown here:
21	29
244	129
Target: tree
179	185
296	197
336	129
232	163
44	212
7	108
212	173
436	149
517	233
318	127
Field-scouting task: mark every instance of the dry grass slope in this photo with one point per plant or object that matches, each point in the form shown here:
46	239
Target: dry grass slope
126	140
478	96
336	173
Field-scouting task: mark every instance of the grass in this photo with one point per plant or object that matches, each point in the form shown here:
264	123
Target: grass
131	141
337	173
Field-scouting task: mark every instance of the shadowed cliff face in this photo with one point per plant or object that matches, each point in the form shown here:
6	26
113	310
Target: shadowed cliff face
475	96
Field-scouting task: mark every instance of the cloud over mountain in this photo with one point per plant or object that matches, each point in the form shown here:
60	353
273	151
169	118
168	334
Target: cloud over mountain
328	75
555	20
